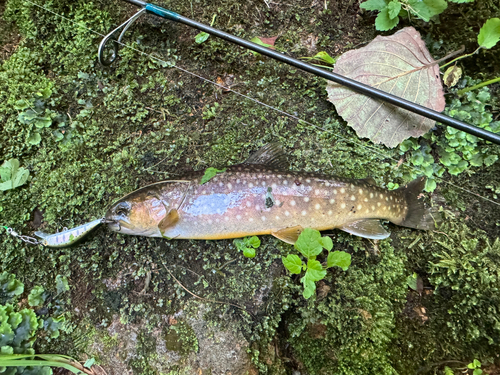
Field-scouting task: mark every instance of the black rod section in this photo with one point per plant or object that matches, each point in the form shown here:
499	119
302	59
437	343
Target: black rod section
337	78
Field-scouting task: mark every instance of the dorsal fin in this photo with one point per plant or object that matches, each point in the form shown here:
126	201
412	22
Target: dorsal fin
367	228
369	181
271	155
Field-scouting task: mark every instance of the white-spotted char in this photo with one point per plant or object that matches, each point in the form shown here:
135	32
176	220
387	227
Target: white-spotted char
261	197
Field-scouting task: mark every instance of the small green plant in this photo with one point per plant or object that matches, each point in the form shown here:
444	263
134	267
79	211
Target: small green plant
20	326
210	112
457	151
310	244
475	366
323	57
12	176
391	10
210	173
203	36
247	245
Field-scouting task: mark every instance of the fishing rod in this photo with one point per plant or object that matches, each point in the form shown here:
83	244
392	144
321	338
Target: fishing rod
334	77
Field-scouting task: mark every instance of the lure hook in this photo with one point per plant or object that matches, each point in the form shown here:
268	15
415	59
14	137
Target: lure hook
105	40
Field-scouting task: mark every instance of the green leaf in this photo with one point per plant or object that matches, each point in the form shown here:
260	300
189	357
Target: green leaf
489	35
253	241
448	371
477	160
5	174
427	8
477	371
43	122
36	297
210	173
89	362
201	37
461	1
394	7
374	4
315	270
326	242
411	281
340	259
430	185
248	252
34	138
324	57
292	263
309	287
383	22
61	284
489	160
476	363
258	41
309	243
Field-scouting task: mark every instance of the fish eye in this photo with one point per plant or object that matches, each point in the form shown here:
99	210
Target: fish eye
122	209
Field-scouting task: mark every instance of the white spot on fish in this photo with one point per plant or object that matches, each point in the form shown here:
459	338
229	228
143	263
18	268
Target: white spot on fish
229	185
257	207
332	201
287	213
204	192
238	181
379	204
353	198
316	192
330	213
304	213
317	206
352	186
226	218
238	217
342	205
371	195
277	217
342	191
273	185
285	182
263	218
293	203
373	208
327	184
216	179
381	196
306	199
367	210
251	219
334	191
263	183
210	221
250	185
360	207
386	198
360	191
221	184
366	199
249	204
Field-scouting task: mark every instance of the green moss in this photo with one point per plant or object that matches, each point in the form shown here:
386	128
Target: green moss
141	121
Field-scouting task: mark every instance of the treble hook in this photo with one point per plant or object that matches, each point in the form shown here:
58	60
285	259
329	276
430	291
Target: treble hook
105	40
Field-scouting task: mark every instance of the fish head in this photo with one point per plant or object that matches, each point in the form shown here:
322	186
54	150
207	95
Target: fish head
137	214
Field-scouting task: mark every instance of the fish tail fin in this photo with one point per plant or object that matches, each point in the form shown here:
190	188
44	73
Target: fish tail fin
418	215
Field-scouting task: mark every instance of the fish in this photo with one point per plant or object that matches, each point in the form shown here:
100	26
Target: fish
68	237
261	196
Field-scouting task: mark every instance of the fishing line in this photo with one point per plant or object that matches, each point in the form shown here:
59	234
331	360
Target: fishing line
368	147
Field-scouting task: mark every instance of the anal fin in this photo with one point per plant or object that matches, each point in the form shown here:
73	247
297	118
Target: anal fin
367	228
170	219
288	235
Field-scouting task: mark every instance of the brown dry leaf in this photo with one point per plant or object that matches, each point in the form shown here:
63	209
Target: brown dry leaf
269	41
452	75
399	64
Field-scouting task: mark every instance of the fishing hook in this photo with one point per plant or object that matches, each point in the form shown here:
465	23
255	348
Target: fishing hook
105	40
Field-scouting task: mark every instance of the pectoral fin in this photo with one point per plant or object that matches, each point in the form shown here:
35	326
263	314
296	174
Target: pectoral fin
288	235
368	228
170	219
